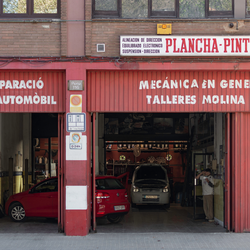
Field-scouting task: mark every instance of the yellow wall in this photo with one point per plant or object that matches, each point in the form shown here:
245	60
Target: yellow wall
18	185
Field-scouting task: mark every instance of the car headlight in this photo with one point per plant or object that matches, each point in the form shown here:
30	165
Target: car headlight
165	189
135	189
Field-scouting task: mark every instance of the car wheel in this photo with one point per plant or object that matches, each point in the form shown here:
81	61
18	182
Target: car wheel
17	212
115	218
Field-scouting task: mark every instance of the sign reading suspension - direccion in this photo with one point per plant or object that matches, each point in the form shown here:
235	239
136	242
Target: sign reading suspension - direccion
184	46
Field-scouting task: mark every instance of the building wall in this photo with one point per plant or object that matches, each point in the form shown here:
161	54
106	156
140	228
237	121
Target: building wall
30	39
45	37
108	31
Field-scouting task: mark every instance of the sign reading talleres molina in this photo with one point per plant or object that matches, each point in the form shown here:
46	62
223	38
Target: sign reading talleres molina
185	46
31	91
170	91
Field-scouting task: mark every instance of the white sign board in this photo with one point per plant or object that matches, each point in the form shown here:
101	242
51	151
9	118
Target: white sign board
76	151
185	45
76	198
76	122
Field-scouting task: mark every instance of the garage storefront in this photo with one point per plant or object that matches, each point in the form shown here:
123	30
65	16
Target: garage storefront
147	109
31	106
163	100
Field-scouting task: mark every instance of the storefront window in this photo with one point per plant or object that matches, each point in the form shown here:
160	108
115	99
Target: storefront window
220	5
218	8
14	6
108	8
248	8
163	5
109	5
163	8
135	8
192	9
30	8
48	6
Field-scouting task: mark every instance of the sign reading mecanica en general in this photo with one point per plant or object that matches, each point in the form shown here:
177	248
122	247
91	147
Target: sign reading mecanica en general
184	46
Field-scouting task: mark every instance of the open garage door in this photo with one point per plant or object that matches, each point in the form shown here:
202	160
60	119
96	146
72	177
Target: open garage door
183	145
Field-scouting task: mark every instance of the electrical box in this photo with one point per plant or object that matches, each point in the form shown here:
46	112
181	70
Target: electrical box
164	29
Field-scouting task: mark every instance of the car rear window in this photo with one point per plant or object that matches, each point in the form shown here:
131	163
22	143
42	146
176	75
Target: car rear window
108	184
150	172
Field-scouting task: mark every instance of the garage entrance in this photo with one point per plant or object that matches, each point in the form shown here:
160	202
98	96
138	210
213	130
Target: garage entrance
161	103
34	141
184	144
31	133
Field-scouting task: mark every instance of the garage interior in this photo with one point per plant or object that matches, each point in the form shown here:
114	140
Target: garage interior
185	144
180	142
29	142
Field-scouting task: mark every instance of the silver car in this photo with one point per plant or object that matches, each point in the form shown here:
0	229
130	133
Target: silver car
150	185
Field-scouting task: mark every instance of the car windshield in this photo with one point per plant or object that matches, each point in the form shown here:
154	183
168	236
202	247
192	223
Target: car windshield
150	172
108	184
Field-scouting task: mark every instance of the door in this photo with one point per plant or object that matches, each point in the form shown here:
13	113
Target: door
200	164
60	197
41	201
228	173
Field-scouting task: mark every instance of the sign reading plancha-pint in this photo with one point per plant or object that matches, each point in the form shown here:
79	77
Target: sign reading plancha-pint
184	46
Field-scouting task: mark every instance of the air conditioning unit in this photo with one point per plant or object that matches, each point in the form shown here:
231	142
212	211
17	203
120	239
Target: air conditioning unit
100	47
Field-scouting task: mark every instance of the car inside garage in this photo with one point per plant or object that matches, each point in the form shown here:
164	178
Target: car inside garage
29	180
183	145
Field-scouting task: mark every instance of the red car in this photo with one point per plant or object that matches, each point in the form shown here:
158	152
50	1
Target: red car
111	198
42	200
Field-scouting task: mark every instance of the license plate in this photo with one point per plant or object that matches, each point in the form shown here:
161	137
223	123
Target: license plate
117	208
150	196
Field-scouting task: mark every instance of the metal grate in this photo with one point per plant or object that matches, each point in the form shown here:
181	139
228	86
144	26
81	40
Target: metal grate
100	47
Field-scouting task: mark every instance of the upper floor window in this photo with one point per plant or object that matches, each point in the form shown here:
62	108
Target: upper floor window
30	8
248	8
163	8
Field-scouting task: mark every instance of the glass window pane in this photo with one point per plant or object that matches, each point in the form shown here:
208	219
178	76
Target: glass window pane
220	5
192	8
108	5
108	184
163	5
14	6
45	6
248	5
134	8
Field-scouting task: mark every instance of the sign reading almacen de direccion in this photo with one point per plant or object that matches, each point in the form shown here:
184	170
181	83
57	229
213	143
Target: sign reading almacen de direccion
184	46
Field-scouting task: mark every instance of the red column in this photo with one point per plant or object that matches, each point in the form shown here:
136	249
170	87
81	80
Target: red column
77	171
240	172
228	173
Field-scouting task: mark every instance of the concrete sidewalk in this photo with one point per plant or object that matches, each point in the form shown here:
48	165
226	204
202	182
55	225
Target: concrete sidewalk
128	241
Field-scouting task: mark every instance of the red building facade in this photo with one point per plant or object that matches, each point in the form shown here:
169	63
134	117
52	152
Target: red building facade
36	74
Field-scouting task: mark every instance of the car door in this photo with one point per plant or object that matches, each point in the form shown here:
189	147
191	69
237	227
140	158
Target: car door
42	199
